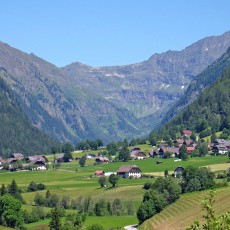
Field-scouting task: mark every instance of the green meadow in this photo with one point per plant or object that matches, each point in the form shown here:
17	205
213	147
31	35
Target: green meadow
75	181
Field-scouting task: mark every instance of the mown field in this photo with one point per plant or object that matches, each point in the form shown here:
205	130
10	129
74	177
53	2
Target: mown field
82	183
183	212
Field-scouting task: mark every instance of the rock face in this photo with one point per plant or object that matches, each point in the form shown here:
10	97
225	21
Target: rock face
79	101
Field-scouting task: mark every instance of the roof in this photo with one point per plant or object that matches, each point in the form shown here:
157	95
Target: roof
170	149
99	172
102	158
137	153
222	142
127	168
187	132
16	155
61	155
134	148
37	158
179	167
180	141
188	142
190	148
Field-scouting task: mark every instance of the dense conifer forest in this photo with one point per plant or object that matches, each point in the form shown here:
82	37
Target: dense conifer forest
208	114
17	134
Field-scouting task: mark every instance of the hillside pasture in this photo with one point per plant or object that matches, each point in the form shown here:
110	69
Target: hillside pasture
186	210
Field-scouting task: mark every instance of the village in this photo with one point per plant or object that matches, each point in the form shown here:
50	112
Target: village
17	161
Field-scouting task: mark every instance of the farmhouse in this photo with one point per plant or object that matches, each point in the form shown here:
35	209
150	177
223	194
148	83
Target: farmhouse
186	133
137	155
16	156
178	171
221	146
60	157
37	162
190	149
128	171
102	160
99	173
161	151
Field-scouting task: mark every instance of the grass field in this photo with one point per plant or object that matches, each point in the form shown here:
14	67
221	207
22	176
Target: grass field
82	183
108	222
183	212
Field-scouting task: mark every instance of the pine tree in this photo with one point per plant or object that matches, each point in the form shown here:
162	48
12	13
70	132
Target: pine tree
3	190
55	223
14	191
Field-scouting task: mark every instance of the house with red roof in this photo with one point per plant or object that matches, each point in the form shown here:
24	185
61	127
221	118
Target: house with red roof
190	149
99	173
186	132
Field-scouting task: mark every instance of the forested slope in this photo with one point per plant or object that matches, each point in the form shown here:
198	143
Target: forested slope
16	132
210	112
202	81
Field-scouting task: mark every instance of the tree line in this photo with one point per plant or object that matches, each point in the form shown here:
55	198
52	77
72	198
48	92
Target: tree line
167	190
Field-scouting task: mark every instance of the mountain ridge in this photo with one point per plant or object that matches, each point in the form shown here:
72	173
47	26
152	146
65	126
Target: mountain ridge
77	101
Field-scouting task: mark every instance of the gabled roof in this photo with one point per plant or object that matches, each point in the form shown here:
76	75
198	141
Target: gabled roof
37	158
188	142
99	172
127	168
186	132
137	153
222	142
191	148
103	159
16	155
170	149
134	148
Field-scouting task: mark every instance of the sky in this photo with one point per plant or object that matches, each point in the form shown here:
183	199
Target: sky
108	32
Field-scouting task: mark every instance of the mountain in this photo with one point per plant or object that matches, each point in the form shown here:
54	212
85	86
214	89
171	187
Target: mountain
79	101
209	113
17	134
201	81
148	89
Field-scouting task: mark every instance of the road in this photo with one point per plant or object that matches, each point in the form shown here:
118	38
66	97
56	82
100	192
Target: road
131	227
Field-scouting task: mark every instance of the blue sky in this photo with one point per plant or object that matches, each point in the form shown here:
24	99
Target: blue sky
109	32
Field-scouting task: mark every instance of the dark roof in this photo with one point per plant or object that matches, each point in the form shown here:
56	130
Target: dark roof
179	167
127	168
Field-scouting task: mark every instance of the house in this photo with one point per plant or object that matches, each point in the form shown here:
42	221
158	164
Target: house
99	173
221	146
190	149
127	171
178	171
17	156
36	162
14	157
37	158
153	153
134	148
188	142
186	132
60	158
102	159
163	149
178	142
137	155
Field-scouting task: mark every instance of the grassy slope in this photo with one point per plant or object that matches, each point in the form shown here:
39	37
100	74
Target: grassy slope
183	212
68	182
